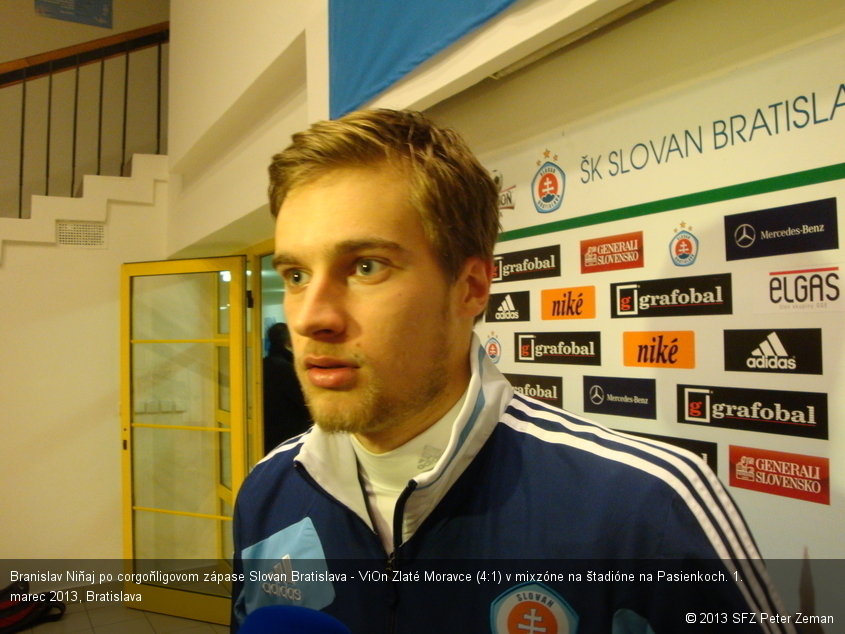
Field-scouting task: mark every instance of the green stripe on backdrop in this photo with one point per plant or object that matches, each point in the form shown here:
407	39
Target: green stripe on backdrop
764	186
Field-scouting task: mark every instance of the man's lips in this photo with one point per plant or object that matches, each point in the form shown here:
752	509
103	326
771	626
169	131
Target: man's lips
331	373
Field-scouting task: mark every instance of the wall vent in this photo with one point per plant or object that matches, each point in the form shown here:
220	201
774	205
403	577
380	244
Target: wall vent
86	235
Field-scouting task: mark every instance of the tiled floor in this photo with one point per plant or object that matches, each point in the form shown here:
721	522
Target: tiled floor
117	619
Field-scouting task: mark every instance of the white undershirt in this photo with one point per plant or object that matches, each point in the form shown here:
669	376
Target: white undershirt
385	475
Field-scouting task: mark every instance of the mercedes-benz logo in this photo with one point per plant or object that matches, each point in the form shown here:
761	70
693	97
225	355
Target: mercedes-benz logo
596	395
744	236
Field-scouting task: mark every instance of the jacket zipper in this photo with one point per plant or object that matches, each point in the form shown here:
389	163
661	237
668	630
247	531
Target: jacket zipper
390	563
398	514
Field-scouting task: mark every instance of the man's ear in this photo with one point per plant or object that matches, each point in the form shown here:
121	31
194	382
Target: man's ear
473	286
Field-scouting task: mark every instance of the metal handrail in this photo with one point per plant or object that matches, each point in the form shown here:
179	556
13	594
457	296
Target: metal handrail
70	59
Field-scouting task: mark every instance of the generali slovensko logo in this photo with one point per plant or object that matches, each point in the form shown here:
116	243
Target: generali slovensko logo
548	389
617	396
810	289
611	253
672	297
683	247
787	350
809	226
578	348
801	414
513	306
578	302
672	349
548	185
790	475
527	265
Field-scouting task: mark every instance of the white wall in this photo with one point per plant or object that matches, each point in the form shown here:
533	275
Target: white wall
59	368
239	88
47	34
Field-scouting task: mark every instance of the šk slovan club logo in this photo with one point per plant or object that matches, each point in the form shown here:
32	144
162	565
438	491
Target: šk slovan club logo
493	348
532	607
683	247
549	184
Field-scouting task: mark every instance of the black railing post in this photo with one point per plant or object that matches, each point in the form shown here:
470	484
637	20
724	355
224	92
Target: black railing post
49	128
73	132
158	98
125	109
23	140
100	117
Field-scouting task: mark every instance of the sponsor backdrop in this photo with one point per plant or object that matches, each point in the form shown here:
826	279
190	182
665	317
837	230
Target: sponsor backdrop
675	270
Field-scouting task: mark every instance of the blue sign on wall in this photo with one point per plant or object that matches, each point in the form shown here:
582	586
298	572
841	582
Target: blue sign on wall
93	12
374	44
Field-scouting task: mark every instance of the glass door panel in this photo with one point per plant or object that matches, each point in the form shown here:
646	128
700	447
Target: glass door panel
183	419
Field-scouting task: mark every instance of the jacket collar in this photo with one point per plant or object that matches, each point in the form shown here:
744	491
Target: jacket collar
330	459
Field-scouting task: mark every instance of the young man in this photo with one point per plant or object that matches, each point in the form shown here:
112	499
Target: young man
428	495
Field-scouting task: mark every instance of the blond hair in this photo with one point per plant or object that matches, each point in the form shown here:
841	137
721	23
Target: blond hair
455	196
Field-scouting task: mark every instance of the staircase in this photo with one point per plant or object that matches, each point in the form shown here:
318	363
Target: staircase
82	221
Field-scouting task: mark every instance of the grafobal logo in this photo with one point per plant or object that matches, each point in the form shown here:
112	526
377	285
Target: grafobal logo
771	411
673	297
578	348
527	265
787	350
780	473
509	307
548	389
672	349
611	253
548	185
809	226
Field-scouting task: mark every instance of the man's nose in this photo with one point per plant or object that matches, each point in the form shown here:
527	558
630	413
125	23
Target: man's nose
319	310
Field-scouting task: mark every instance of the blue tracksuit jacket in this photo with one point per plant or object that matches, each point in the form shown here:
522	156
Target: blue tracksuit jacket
533	520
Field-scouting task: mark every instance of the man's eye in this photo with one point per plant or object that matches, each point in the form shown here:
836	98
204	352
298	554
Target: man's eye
295	277
368	267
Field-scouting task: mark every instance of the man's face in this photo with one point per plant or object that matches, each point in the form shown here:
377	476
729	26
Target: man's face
380	336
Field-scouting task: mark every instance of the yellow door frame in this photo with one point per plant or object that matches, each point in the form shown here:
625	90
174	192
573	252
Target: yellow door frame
191	604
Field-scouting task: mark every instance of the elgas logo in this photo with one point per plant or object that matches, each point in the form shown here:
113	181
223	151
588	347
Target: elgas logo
808	289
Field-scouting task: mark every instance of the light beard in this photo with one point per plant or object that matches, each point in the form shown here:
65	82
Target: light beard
373	408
